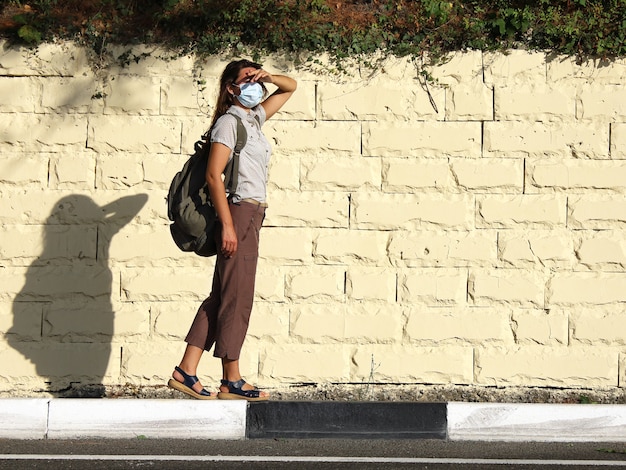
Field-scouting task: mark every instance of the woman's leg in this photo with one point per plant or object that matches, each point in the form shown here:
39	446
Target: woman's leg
201	336
231	373
189	364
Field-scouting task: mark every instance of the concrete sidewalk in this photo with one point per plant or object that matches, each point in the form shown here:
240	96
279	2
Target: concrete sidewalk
69	418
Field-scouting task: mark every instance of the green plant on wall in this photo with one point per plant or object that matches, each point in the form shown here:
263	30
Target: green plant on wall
341	28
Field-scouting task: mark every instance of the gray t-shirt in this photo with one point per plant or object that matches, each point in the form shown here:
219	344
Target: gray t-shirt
254	158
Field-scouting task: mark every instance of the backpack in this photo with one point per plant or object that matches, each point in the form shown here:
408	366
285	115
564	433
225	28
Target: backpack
189	207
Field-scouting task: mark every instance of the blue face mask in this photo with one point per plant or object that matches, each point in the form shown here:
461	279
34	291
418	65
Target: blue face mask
250	94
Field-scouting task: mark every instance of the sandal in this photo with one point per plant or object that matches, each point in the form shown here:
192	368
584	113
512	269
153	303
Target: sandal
187	386
236	392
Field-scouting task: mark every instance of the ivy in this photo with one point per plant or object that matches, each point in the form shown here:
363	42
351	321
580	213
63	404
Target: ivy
341	28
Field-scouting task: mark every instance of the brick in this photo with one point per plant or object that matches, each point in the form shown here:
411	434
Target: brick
445	249
64	58
22	245
72	94
553	248
141	245
171	320
296	363
536	102
410	364
469	100
541	366
422	139
587	289
159	169
130	95
351	247
21	321
541	139
146	59
307	209
489	175
119	171
570	69
318	284
194	129
548	328
606	103
410	174
458	326
185	96
284	174
510	287
79	321
514	67
270	283
154	284
604	250
74	170
61	364
50	132
373	322
371	284
76	208
48	283
458	67
341	173
599	326
302	104
522	211
433	286
321	138
378	100
286	245
318	324
380	212
269	322
134	134
577	175
20	94
596	212
24	170
618	140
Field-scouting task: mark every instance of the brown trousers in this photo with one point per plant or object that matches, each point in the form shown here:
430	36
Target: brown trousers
223	317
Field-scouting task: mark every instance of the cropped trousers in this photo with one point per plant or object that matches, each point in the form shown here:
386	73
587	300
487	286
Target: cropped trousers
222	319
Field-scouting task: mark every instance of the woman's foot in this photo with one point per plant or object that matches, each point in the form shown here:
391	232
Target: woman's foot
189	385
241	390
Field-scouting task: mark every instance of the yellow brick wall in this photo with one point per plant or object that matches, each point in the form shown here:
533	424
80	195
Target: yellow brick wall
466	232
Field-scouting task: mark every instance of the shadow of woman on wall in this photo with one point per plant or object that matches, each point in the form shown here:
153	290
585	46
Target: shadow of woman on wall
63	316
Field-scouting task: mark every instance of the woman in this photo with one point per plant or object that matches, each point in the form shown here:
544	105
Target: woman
222	319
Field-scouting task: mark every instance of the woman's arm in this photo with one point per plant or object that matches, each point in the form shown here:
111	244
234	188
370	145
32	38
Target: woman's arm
286	87
218	158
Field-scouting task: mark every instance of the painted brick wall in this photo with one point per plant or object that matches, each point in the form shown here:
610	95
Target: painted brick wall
466	231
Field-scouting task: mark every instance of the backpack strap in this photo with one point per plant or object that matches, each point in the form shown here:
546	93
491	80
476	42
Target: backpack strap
231	172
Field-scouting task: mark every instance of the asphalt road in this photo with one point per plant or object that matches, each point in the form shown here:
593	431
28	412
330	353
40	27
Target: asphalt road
305	454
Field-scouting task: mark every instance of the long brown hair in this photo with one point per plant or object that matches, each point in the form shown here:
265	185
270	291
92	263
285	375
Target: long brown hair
229	77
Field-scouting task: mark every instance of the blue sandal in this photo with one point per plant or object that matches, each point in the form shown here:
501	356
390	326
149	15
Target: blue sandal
187	386
236	392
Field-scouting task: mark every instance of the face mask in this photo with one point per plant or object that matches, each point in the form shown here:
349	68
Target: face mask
250	95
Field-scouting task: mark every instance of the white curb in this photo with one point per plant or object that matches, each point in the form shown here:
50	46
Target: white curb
23	418
132	418
536	422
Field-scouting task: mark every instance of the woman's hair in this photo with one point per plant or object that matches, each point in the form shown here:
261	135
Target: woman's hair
229	77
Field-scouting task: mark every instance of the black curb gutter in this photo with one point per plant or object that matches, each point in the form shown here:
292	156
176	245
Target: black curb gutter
366	420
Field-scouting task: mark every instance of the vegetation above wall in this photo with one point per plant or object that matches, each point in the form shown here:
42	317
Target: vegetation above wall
343	28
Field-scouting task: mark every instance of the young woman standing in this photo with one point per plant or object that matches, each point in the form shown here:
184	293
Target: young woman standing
222	319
